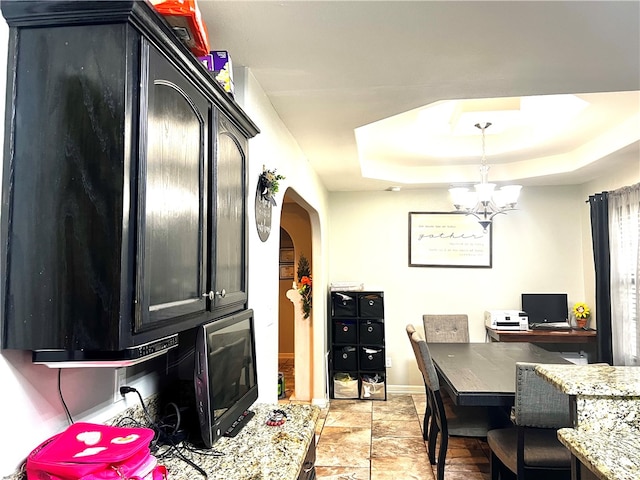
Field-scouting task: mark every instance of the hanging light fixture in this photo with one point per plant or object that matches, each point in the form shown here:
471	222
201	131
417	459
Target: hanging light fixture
485	202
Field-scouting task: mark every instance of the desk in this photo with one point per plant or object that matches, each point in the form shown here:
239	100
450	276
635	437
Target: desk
485	373
543	336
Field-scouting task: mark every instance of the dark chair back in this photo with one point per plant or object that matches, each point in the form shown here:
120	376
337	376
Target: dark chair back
435	418
531	447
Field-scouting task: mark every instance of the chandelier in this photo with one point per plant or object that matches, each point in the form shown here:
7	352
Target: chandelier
485	202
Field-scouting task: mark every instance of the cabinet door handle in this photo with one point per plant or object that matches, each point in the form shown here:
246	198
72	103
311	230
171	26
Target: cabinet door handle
307	467
210	295
222	293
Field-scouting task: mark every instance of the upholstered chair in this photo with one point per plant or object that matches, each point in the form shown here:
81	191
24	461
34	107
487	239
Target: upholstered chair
450	328
531	448
472	422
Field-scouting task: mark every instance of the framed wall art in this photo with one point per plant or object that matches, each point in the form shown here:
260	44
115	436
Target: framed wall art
287	255
443	239
286	272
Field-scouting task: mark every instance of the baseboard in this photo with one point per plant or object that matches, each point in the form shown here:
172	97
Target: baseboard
286	356
406	389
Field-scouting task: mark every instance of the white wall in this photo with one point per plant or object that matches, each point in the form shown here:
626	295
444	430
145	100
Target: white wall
275	148
538	248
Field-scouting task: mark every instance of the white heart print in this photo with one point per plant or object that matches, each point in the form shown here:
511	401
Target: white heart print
89	438
90	451
132	437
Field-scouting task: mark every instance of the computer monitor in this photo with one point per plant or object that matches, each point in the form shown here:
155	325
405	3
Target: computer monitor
225	378
545	307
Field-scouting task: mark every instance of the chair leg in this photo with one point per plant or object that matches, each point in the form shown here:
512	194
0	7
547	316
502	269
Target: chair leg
442	455
494	467
425	424
431	445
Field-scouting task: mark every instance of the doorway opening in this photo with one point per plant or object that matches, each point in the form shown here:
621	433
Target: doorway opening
295	347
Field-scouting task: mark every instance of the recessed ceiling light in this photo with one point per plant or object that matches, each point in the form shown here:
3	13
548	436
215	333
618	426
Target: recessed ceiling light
393	189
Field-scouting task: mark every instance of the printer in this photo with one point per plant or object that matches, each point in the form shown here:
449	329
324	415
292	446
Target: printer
506	319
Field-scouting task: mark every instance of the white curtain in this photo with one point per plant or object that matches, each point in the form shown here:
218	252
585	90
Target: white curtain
624	231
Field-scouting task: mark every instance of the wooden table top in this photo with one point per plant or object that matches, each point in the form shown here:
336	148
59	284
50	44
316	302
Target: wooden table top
568	335
485	373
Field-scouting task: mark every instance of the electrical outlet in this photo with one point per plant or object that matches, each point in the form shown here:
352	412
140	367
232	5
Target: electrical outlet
387	362
120	380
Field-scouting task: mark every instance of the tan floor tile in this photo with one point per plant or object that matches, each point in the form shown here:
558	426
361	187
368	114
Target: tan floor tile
347	418
461	475
342	473
319	425
400	412
338	454
397	446
351	405
347	435
395	428
395	402
401	468
323	413
392	449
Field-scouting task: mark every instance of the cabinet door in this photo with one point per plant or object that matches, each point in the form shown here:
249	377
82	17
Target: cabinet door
172	218
228	275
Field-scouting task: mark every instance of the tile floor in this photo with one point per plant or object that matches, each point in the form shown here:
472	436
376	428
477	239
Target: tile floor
382	440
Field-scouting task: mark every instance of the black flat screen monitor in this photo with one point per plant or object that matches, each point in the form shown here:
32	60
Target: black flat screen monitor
545	307
225	378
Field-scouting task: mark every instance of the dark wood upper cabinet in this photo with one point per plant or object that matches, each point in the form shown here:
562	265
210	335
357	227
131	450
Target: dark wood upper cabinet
228	275
172	221
124	181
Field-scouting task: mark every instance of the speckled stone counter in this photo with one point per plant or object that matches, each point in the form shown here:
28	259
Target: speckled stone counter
606	431
257	452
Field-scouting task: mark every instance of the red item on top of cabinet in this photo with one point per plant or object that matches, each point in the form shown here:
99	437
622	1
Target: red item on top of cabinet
186	22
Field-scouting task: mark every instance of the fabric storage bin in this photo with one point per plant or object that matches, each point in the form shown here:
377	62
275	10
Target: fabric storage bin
371	358
371	305
373	387
345	358
343	304
371	332
344	331
345	386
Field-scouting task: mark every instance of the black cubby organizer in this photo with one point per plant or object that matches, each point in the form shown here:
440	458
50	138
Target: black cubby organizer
357	356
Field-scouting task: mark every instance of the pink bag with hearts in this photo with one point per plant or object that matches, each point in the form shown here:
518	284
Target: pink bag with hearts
88	451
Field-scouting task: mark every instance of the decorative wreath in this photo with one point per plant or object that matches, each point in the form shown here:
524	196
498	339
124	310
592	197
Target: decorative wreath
304	285
268	185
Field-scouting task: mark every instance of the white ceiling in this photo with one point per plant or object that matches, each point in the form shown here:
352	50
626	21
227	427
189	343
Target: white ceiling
340	73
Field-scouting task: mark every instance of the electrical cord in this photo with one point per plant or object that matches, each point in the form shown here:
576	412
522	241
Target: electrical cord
161	435
126	389
66	409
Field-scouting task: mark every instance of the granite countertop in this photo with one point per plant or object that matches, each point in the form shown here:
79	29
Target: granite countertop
258	452
595	379
609	455
606	433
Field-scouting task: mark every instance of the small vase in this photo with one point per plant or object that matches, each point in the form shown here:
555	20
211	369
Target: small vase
581	323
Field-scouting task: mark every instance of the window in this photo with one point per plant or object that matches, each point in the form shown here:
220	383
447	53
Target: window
624	232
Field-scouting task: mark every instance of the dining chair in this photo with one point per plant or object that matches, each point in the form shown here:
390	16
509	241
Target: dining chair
448	328
530	448
467	421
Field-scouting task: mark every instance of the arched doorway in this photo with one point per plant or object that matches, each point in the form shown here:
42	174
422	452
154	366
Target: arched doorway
295	339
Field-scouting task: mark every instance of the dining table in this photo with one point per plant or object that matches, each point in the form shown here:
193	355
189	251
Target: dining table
484	374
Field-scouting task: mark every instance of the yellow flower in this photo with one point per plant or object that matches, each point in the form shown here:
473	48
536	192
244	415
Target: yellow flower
581	310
